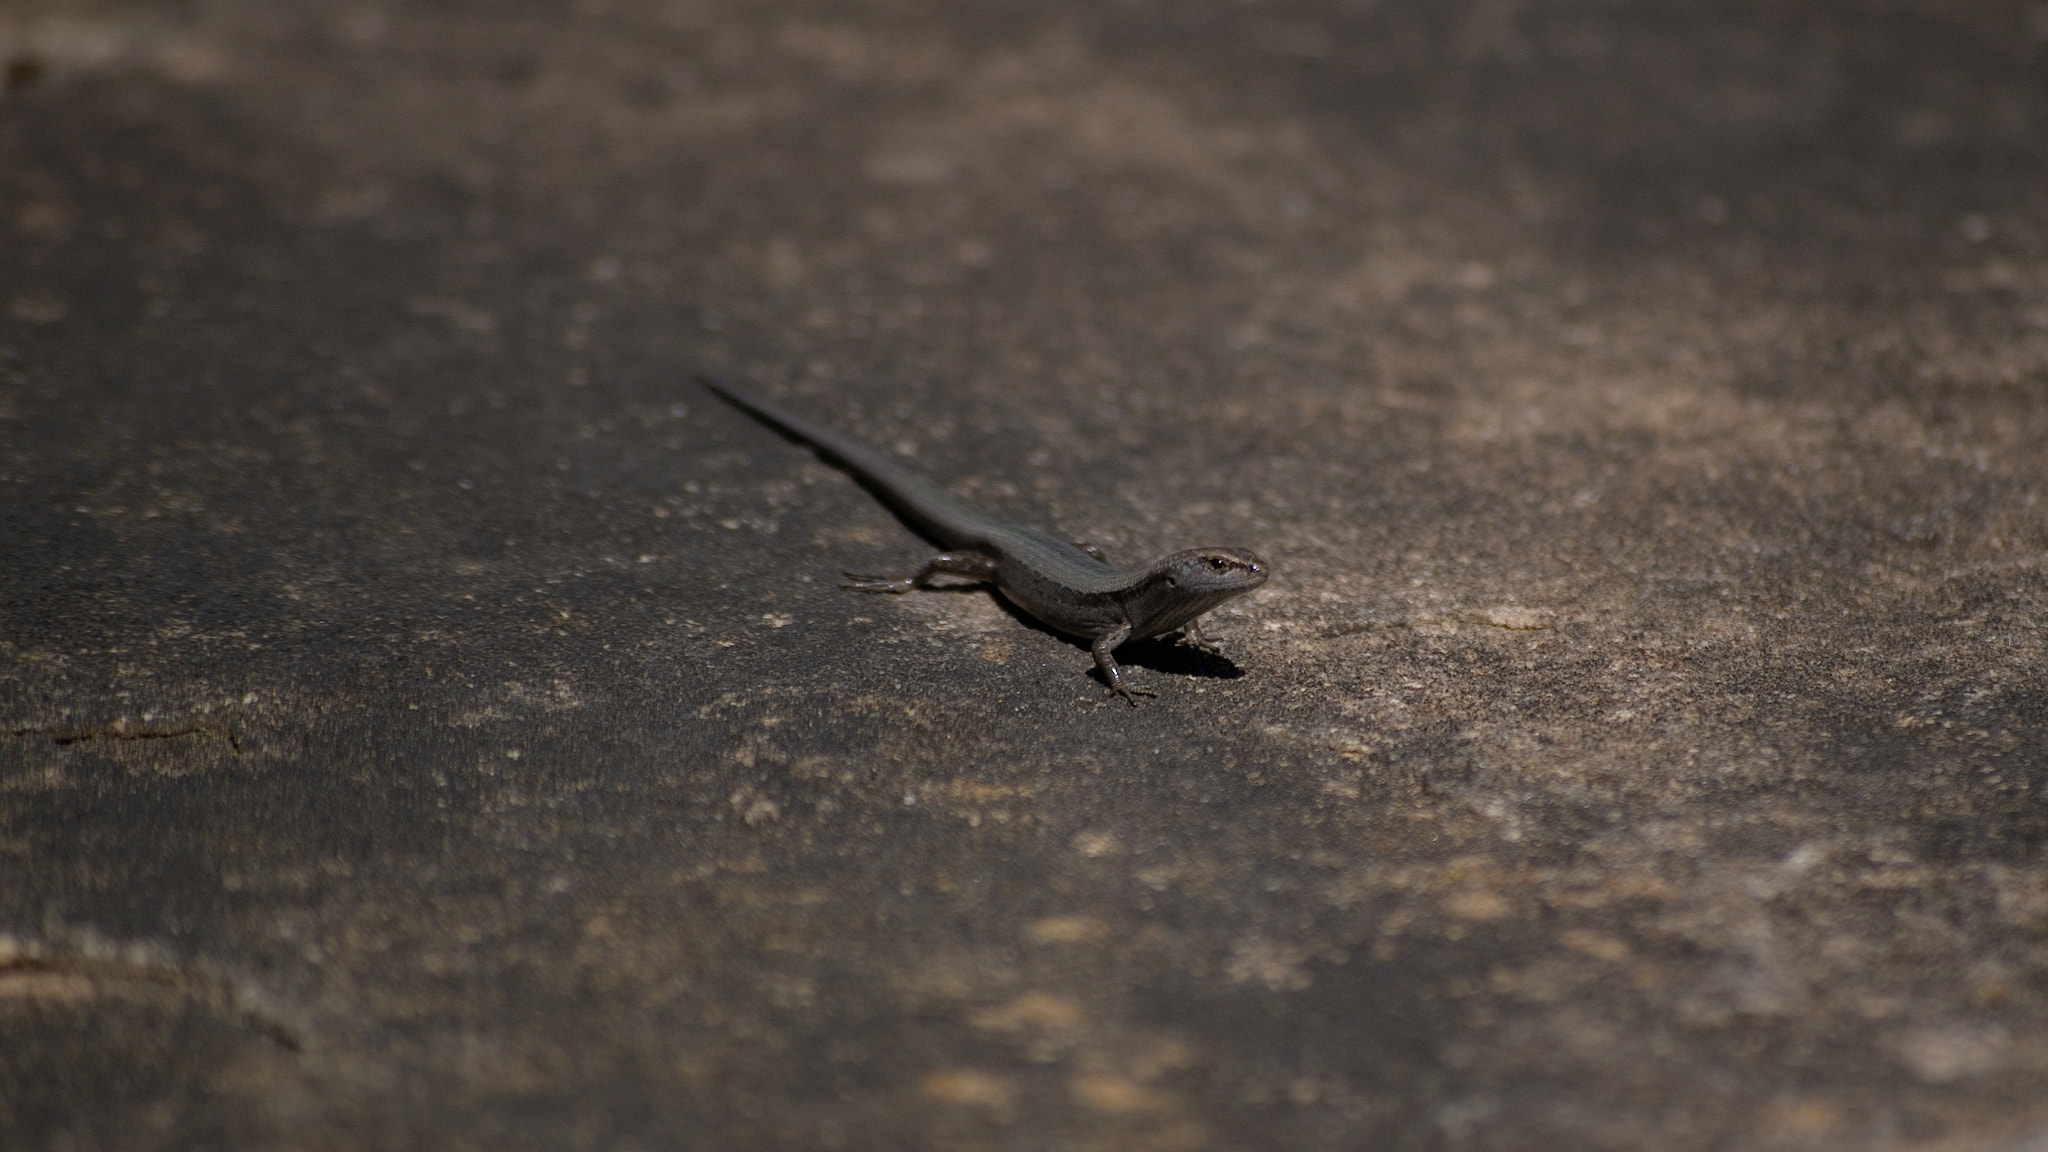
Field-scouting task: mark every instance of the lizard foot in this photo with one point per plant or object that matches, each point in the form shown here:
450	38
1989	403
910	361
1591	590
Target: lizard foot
1131	694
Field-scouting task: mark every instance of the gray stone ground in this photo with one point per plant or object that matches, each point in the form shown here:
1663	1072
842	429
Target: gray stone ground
428	721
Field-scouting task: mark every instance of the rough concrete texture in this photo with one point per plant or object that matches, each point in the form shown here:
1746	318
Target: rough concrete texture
428	721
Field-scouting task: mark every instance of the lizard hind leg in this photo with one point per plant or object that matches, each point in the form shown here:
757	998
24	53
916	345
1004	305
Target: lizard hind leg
976	565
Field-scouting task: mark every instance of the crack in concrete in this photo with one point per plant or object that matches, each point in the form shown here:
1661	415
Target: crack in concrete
76	978
68	736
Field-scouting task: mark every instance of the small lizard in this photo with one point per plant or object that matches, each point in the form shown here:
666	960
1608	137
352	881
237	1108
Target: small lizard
1071	587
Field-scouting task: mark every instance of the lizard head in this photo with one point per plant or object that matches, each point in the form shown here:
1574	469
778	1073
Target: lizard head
1183	585
1213	572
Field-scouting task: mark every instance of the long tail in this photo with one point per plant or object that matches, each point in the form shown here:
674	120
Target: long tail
937	516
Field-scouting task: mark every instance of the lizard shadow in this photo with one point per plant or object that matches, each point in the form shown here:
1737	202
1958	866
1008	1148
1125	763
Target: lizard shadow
1170	657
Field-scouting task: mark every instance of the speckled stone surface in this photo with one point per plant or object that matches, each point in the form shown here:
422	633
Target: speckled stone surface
428	721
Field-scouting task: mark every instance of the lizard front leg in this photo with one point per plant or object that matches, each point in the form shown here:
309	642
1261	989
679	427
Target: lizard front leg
1103	646
1191	635
978	565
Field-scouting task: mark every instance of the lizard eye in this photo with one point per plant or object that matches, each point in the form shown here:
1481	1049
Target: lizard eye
1217	564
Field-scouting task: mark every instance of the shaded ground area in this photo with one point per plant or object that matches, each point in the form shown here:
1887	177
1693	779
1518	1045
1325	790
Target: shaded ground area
429	721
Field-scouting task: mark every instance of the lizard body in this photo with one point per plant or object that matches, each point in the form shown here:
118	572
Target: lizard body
1070	587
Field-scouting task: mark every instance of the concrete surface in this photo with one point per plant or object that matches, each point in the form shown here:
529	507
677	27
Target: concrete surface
429	722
